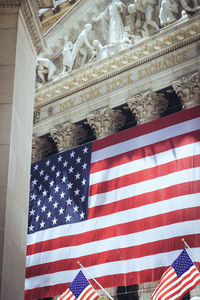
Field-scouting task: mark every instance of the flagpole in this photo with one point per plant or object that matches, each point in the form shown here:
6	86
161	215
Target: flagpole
95	280
188	247
185	243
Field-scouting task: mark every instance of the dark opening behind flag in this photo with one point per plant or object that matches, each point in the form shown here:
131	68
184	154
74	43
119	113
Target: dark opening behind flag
119	205
179	279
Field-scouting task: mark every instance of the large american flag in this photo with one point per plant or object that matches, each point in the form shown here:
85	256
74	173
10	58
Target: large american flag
120	206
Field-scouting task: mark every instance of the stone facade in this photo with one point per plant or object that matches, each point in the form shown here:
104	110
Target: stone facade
90	75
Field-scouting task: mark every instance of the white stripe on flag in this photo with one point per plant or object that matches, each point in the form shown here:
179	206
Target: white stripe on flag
147	139
145	163
145	187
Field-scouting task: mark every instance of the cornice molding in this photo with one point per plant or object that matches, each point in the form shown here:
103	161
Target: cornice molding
10	3
45	3
30	13
49	22
162	43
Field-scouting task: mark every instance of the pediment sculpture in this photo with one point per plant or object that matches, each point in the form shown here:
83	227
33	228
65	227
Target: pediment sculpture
45	69
118	26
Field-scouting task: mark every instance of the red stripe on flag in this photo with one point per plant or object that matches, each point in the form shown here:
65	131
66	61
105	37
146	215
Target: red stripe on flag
147	174
173	191
112	255
186	281
119	230
106	281
146	151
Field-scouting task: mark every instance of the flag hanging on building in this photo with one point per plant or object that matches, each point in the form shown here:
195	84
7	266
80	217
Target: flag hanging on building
120	205
79	289
180	278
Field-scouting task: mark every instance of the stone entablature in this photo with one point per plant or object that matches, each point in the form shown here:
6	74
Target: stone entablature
165	41
155	74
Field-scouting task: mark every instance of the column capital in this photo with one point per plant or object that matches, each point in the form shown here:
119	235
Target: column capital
147	106
36	115
188	89
67	135
40	148
106	121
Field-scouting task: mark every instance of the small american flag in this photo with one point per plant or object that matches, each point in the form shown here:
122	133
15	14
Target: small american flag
180	278
79	289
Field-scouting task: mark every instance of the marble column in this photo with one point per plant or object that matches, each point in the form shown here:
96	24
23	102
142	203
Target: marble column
147	106
20	40
188	89
67	135
106	121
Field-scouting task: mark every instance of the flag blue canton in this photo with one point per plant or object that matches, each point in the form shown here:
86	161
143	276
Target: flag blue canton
182	264
59	189
79	284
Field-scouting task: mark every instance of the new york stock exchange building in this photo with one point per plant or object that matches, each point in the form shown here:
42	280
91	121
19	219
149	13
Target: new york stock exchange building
87	72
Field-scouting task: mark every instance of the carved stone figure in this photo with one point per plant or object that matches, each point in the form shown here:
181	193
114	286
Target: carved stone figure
79	46
168	12
96	49
67	54
112	21
127	38
186	5
45	69
147	7
138	20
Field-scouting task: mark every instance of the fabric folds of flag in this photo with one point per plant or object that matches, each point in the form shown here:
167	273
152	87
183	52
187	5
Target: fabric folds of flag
79	289
180	278
120	205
